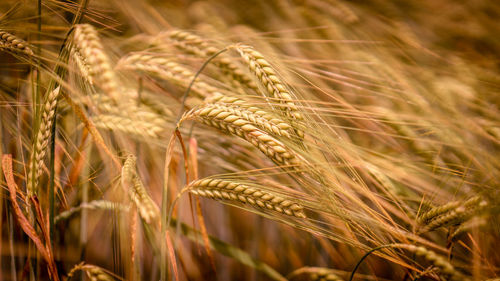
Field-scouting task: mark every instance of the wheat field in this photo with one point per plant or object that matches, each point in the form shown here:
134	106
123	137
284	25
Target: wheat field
249	140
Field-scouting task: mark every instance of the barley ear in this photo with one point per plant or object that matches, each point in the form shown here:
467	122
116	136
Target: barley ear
148	210
272	84
225	190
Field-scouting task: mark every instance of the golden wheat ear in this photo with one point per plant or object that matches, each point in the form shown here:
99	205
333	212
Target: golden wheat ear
94	273
12	43
314	274
271	83
148	210
233	124
194	44
239	192
259	117
98	65
41	142
168	70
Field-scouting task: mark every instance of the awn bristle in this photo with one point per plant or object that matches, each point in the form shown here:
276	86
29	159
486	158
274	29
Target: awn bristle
234	191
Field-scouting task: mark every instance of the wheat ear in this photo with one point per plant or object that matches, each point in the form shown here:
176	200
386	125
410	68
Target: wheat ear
168	70
234	191
446	269
440	210
270	81
82	65
93	205
94	273
257	116
475	222
131	182
451	213
455	216
233	124
89	45
12	43
41	141
198	46
314	274
130	125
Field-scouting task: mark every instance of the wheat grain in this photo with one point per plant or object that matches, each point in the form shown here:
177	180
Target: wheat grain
234	191
88	44
12	43
131	182
271	83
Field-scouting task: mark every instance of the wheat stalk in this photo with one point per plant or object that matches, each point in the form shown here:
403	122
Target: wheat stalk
270	81
234	191
198	46
88	44
11	42
148	210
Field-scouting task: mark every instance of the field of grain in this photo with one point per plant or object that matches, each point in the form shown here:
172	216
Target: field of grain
249	140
